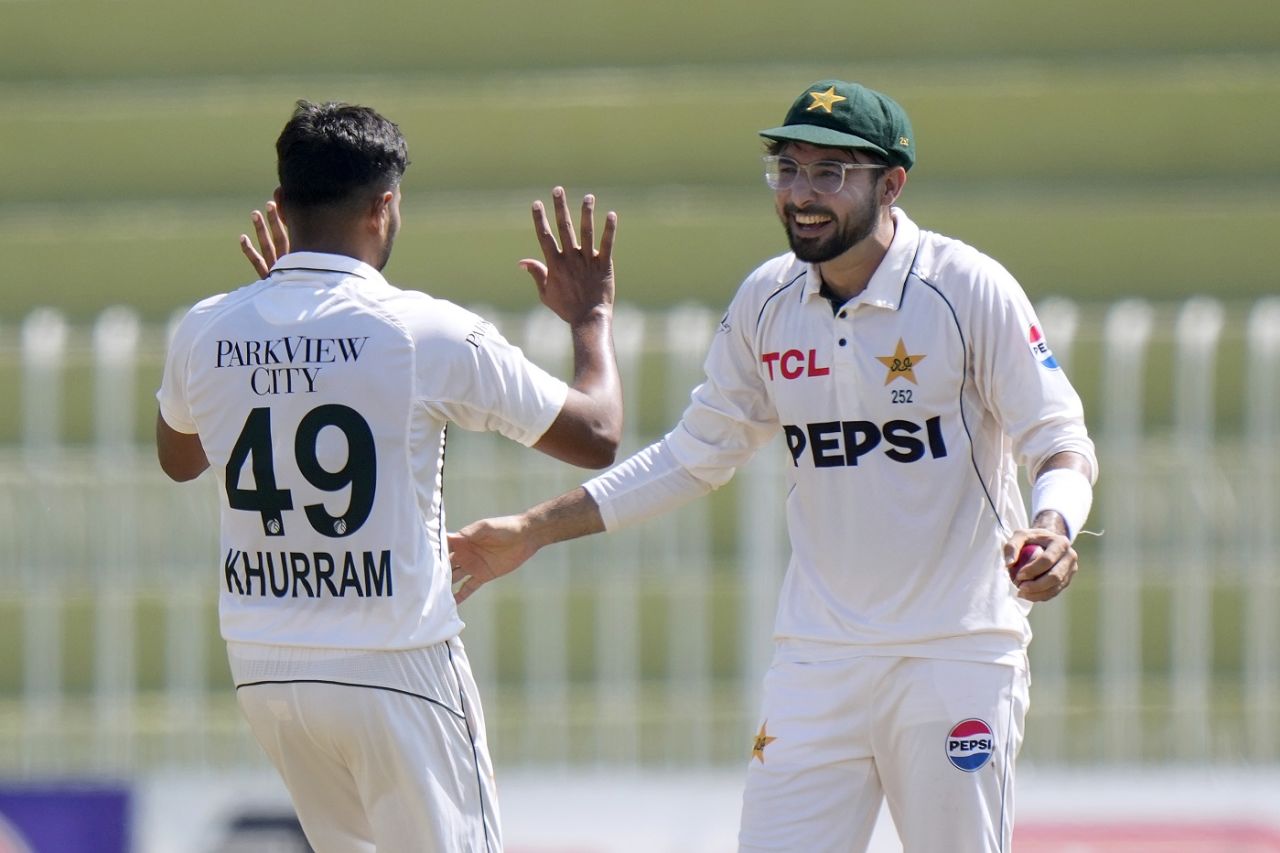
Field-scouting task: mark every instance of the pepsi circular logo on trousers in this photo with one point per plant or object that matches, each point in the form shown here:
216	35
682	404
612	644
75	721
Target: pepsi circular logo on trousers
970	744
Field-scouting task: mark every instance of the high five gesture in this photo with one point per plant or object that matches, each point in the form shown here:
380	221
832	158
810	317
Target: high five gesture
575	277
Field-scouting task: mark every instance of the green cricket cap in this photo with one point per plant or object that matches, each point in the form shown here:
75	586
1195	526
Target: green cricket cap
838	114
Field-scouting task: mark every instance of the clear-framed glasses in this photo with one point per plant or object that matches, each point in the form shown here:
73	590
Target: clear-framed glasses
825	176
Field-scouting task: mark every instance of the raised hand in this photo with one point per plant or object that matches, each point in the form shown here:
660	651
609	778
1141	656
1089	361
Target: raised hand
574	278
273	238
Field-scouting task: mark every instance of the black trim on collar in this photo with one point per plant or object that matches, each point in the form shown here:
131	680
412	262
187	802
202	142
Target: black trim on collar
769	299
315	269
912	270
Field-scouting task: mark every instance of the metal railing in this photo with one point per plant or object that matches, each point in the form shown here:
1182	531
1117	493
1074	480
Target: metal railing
645	647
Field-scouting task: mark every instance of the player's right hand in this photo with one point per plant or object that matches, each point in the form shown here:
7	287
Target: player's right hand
486	550
574	279
273	239
1047	572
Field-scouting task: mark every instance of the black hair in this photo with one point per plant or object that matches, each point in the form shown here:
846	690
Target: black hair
333	153
775	146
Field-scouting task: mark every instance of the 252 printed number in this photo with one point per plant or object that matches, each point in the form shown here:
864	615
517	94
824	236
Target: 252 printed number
901	395
254	448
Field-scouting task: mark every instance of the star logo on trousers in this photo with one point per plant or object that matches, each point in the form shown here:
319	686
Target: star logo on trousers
762	740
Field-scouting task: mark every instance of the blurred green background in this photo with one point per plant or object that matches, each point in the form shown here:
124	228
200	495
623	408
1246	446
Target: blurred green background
1097	149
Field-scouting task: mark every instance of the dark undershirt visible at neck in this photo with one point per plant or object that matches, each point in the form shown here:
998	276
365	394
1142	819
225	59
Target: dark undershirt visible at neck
837	301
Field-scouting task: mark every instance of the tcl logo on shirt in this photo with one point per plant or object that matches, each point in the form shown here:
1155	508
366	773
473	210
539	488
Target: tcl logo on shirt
793	364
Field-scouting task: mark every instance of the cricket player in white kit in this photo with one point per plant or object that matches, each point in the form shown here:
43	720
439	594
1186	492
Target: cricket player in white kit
910	378
320	397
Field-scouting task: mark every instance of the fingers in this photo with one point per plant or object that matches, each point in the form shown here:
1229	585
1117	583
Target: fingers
457	545
273	239
465	579
1047	575
564	222
265	241
564	238
466	590
466	582
588	222
279	234
575	278
1020	569
1041	563
538	270
542	230
469	583
610	229
260	266
1013	546
1045	587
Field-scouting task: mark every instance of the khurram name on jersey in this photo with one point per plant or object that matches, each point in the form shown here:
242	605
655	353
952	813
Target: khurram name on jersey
321	396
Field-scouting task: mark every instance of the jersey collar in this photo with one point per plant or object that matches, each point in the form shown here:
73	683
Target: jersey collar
890	278
311	263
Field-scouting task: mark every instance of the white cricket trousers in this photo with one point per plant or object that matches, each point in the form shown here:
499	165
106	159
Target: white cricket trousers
937	739
380	751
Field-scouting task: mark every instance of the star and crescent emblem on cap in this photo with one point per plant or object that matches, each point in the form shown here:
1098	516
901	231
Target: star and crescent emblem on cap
901	363
762	740
825	100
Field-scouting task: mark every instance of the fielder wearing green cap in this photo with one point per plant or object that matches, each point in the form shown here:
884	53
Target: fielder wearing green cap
836	114
910	381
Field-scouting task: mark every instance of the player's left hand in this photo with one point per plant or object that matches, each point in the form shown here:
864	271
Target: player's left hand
1049	572
273	239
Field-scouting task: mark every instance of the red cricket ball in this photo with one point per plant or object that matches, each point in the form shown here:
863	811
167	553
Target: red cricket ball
1028	553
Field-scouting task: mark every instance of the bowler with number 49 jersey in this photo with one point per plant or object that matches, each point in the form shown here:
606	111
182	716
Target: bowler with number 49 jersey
295	383
320	396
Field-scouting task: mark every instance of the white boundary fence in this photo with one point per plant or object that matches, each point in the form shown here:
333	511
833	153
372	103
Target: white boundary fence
644	648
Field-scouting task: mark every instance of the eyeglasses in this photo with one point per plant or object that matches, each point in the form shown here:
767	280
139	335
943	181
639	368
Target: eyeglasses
825	176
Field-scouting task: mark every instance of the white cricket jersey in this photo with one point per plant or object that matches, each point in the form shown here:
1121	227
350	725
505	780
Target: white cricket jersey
905	415
321	395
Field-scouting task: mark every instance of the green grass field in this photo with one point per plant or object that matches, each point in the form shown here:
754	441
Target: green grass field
60	39
1099	153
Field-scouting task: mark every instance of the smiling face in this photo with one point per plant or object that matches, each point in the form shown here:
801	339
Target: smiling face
823	226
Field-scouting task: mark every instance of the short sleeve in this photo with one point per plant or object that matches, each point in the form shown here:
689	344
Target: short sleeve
486	383
172	395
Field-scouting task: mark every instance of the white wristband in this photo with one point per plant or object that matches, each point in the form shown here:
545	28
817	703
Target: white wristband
1065	491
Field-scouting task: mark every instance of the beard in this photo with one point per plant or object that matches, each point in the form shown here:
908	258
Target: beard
391	240
848	232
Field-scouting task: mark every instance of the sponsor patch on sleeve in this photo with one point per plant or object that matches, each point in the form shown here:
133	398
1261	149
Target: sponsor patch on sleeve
1040	348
